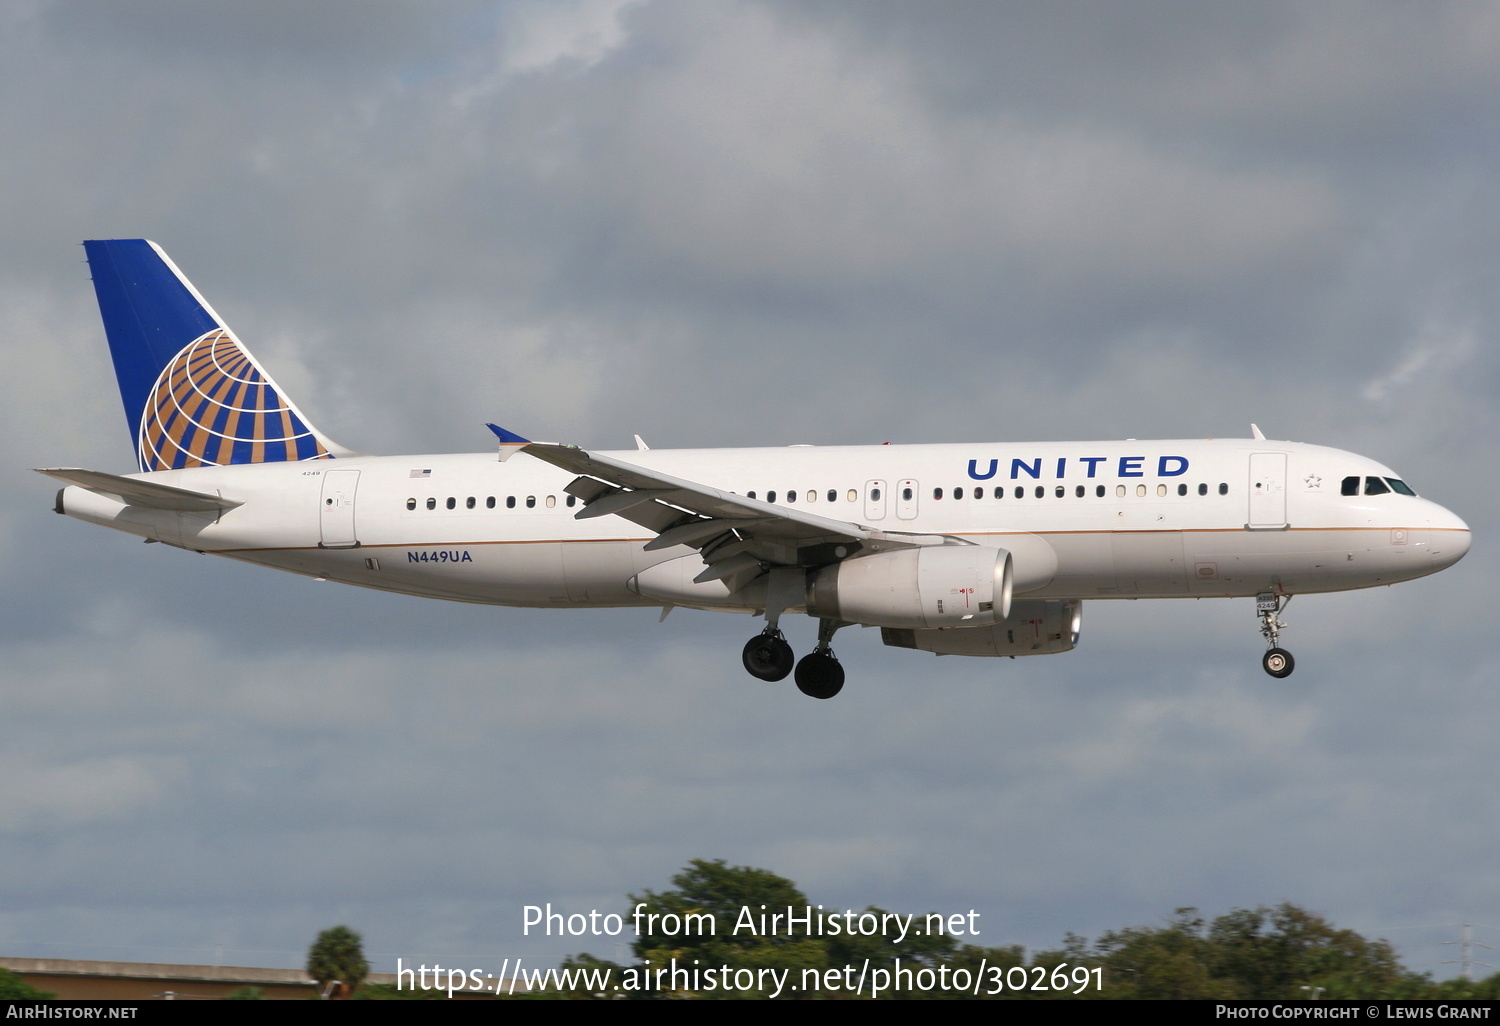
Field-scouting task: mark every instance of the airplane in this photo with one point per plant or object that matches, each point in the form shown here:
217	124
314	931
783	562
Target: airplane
982	549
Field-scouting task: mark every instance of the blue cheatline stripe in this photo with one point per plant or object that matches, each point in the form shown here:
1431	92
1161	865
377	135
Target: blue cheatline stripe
149	315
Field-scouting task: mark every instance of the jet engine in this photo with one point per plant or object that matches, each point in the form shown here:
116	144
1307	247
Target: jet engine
934	586
1033	628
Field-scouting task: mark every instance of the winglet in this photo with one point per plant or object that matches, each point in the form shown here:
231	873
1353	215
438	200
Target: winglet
510	442
1255	433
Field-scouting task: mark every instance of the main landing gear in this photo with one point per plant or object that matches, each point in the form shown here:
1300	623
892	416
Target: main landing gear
819	675
768	656
1277	661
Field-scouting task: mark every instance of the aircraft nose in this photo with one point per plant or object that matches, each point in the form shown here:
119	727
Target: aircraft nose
1450	538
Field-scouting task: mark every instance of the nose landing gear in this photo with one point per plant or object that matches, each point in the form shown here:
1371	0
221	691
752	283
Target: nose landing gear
1277	661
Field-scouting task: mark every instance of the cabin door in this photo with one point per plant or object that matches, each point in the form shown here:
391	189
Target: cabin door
336	511
1267	491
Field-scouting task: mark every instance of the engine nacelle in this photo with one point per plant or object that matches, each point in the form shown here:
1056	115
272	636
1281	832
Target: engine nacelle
1033	628
934	586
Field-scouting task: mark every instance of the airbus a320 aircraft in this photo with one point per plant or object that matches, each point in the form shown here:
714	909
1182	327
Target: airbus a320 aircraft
982	549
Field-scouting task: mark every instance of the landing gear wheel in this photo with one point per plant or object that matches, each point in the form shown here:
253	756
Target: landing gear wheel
819	675
1278	662
768	657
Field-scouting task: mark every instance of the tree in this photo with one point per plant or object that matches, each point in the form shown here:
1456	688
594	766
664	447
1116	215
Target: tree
698	920
338	956
1273	953
13	988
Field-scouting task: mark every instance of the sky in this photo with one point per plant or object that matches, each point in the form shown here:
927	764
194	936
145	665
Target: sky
737	224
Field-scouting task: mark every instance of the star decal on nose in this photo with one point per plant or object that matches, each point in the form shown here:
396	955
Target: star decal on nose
1313	481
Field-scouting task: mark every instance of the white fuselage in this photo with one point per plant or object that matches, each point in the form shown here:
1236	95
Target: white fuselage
1132	519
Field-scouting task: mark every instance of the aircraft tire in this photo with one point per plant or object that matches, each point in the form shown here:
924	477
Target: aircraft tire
819	676
1278	662
768	658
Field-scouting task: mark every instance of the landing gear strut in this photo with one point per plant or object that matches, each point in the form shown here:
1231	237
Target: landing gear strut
819	674
1277	661
768	656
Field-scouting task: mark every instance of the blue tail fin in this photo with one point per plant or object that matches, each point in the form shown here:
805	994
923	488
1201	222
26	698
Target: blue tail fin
194	396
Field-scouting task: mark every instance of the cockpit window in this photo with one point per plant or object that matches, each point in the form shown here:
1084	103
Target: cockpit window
1399	487
1375	486
1351	486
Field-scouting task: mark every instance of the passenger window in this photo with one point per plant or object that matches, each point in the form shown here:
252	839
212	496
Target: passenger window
874	494
1203	489
1099	491
1078	491
1020	492
771	496
1375	486
791	496
432	504
1161	490
510	502
999	492
452	502
411	503
853	495
1140	490
1350	486
1060	491
1182	489
906	494
750	494
1223	488
1119	491
572	500
531	502
833	495
937	493
469	502
958	493
551	502
1040	491
978	493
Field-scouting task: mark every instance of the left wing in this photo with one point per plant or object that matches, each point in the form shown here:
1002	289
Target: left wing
737	536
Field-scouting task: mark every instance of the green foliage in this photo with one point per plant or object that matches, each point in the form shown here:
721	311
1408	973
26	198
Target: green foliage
719	894
1279	953
245	994
389	992
338	954
1264	953
13	988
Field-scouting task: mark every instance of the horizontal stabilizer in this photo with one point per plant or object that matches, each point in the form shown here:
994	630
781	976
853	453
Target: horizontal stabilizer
135	492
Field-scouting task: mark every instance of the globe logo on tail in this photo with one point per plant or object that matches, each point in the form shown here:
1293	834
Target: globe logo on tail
212	406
